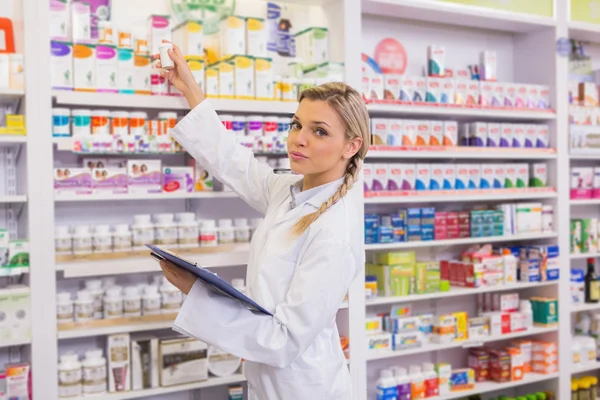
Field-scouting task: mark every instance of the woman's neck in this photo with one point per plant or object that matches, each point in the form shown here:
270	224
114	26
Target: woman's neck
314	180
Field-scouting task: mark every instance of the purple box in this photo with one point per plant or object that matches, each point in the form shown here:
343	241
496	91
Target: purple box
144	176
72	181
178	179
109	180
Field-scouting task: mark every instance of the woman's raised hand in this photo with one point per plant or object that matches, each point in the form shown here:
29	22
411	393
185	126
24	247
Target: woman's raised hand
181	76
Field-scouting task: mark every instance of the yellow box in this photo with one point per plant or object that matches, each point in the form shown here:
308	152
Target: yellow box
212	81
196	64
263	79
462	322
396	257
233	36
226	80
243	77
256	37
189	36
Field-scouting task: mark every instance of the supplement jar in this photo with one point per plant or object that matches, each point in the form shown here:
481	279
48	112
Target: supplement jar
187	230
270	129
171	297
102	239
69	376
208	232
255	138
151	300
61	118
82	240
94	372
119	123
143	231
100	122
94	287
113	303
242	230
132	302
122	238
84	306
64	308
226	233
137	124
82	122
63	243
165	230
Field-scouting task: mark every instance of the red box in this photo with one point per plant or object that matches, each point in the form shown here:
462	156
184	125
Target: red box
440	219
464	233
500	369
440	233
464	218
479	360
452	218
445	271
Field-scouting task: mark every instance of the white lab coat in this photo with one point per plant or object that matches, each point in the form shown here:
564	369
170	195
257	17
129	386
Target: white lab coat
295	354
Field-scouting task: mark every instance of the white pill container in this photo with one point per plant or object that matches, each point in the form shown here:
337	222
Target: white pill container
165	230
143	231
165	61
187	230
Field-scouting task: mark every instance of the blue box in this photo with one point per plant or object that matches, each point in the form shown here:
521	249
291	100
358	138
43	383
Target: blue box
371	228
414	233
413	216
386	234
399	227
427	233
428	216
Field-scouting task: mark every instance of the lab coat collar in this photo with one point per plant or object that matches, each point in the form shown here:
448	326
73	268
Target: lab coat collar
315	196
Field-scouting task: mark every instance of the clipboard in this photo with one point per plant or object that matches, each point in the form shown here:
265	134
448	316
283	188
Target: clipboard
212	281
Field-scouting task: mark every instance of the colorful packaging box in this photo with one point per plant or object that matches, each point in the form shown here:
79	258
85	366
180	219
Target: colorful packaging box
423	177
450	133
436	130
493	135
178	179
144	176
506	135
109	180
61	65
423	133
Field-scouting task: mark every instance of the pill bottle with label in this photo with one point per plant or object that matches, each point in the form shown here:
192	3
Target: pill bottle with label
226	232
208	232
113	302
270	129
132	302
151	300
241	230
94	287
94	372
165	230
64	308
69	376
61	118
82	240
122	238
187	230
84	306
171	297
255	137
100	122
102	239
137	124
143	231
119	123
63	242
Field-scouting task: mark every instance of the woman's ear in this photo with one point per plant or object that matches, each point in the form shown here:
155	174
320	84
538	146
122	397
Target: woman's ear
352	147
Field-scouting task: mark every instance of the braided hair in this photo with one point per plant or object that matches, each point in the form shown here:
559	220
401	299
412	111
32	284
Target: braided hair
349	105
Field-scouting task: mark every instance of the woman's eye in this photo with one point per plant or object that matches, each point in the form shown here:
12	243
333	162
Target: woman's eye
295	125
321	132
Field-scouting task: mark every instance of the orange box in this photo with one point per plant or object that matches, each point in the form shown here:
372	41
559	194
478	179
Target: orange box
516	364
526	347
543	368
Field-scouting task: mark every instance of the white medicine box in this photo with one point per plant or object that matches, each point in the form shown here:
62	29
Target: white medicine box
61	65
312	46
189	36
182	361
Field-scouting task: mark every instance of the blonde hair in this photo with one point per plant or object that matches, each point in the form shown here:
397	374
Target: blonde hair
349	105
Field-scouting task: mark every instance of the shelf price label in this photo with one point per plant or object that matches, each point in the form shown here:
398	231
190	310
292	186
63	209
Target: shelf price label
541	8
585	11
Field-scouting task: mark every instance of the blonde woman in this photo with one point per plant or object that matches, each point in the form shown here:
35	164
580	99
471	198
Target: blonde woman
304	255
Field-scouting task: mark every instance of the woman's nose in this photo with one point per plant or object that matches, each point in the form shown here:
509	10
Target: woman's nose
301	138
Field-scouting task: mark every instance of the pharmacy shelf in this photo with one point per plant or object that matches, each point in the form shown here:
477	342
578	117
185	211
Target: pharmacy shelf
459	113
131	263
486	387
6	92
146	393
457	14
14	343
591	156
11	140
584	31
113	326
112	100
587	367
585	307
13	199
582	256
584	202
458	242
455	292
150	196
446	196
441	152
373	355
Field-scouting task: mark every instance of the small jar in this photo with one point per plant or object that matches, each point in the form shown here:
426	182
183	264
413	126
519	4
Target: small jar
226	232
119	123
151	300
143	231
82	240
100	122
82	122
238	127
370	286
102	239
208	233
64	308
132	302
69	376
94	372
289	90
171	297
137	124
113	303
108	282
227	121
242	230
122	238
254	224
84	306
61	118
270	128
255	136
63	242
187	230
165	230
94	287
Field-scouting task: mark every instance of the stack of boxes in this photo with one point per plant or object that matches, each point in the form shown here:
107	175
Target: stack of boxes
584	235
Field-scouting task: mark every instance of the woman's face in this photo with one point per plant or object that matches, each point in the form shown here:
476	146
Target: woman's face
316	142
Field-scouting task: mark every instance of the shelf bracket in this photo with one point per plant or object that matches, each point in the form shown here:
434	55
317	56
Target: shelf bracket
15	354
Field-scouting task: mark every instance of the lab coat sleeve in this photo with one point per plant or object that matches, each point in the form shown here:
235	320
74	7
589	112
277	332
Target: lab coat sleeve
317	290
203	135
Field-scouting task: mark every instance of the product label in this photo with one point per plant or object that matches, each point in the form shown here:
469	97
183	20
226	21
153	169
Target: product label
94	379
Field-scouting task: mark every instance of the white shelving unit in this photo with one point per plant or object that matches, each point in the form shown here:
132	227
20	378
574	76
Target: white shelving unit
465	153
144	197
462	195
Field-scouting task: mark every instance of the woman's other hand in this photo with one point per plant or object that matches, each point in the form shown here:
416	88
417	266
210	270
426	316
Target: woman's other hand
179	277
181	76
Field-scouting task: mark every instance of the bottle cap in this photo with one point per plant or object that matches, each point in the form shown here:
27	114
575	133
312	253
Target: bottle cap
386	373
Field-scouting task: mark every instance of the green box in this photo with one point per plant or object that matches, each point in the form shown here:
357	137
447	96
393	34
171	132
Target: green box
589	235
401	279
575	237
396	258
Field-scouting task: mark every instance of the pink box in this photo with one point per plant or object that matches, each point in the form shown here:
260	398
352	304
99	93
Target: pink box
109	180
144	176
72	181
178	179
582	179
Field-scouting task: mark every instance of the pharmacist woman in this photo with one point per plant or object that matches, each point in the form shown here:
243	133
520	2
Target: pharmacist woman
304	255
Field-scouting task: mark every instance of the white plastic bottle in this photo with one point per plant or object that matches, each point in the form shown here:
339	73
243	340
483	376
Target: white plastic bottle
187	230
132	302
113	303
527	311
63	242
143	231
402	383
226	233
64	308
386	386
94	372
208	233
165	230
109	282
417	382
151	300
94	286
122	238
431	381
102	239
69	376
241	230
82	240
510	264
84	306
171	297
239	284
